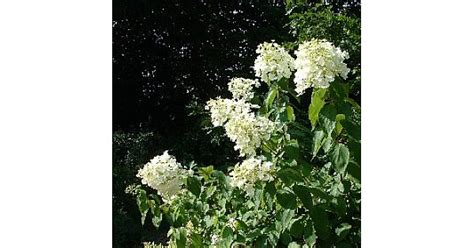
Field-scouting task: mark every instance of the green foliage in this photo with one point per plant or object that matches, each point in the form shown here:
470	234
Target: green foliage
314	199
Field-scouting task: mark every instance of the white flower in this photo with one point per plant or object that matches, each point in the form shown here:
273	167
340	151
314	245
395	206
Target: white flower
273	62
249	132
224	109
241	88
242	126
250	171
317	64
164	174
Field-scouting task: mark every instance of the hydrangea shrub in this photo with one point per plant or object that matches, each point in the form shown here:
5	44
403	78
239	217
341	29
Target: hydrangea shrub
298	184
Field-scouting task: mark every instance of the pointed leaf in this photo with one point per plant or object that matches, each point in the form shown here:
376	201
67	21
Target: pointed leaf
304	195
328	119
321	222
270	98
286	217
290	112
317	141
194	185
339	119
317	103
286	199
340	157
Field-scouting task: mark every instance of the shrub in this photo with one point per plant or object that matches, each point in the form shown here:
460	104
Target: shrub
298	181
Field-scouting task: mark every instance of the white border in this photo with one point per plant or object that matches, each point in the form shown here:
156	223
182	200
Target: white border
417	99
56	123
55	127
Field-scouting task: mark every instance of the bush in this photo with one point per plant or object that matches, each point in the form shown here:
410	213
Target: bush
298	181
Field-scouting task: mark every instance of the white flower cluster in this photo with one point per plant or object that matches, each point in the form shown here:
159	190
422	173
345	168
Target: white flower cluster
273	62
242	126
248	132
223	109
241	88
250	171
317	63
164	174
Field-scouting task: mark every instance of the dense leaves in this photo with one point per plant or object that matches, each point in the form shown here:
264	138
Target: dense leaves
310	199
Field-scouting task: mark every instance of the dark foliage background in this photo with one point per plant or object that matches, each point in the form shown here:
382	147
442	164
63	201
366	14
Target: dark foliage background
170	57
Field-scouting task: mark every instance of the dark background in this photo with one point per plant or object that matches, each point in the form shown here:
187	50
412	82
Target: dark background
170	57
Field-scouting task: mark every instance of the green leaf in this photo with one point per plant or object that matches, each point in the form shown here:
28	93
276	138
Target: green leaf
196	240
270	97
309	234
304	195
156	213
339	90
143	218
254	234
317	103
327	144
261	242
143	206
289	176
142	201
194	185
227	236
319	193
321	222
156	220
354	147
339	118
270	188
296	229
286	199
285	238
286	217
283	83
292	149
180	237
210	191
226	232
273	238
352	128
290	112
353	170
206	172
343	229
340	157
340	205
328	119
317	141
